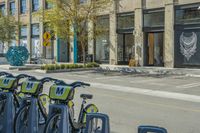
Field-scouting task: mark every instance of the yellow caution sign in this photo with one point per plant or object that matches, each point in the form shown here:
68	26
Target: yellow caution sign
47	36
46	43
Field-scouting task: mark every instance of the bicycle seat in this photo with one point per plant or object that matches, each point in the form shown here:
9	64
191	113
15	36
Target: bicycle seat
86	96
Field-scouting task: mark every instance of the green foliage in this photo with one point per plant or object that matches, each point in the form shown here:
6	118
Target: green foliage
57	66
8	28
62	66
68	18
68	66
43	67
51	67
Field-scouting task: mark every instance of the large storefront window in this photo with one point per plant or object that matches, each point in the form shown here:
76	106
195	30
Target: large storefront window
126	48
36	47
102	47
23	36
125	38
3	48
187	48
187	36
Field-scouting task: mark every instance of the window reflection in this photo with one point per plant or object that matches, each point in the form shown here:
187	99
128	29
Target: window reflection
102	51
154	19
189	15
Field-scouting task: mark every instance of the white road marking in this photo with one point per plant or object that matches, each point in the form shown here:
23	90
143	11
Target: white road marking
189	85
117	79
144	81
110	77
149	92
159	84
154	93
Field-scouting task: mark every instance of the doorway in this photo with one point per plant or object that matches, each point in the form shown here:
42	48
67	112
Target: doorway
155	49
63	52
126	48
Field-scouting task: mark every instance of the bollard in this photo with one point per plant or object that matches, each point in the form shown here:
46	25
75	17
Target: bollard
9	113
33	119
64	122
154	129
105	127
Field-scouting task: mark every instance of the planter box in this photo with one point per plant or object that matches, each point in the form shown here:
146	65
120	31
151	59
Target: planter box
65	70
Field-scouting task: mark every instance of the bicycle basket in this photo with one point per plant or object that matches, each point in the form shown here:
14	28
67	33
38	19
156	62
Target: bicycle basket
7	83
31	87
61	93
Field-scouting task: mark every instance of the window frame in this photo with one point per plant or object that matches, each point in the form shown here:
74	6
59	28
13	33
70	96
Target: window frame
12	11
182	7
125	30
35	5
23	6
154	28
3	6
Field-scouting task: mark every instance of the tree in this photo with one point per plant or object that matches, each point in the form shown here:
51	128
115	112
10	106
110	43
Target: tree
8	28
70	18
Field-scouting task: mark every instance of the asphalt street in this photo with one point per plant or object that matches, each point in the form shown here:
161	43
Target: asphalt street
172	102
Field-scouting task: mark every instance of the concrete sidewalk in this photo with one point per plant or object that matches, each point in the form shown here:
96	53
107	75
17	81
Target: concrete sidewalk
26	67
153	70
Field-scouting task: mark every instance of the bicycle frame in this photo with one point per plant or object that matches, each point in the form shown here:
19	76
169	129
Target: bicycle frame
80	118
10	110
35	104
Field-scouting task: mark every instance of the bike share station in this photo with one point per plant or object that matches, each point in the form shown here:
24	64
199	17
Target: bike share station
60	118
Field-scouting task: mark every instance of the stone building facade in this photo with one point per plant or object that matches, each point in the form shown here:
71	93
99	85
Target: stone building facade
163	33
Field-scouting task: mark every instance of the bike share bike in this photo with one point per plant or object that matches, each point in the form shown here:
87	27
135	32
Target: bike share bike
9	100
32	116
61	116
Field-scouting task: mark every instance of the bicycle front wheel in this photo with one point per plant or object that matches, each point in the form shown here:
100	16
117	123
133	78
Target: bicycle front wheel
21	120
52	125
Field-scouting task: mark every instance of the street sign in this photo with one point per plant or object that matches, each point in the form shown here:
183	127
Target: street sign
46	43
47	36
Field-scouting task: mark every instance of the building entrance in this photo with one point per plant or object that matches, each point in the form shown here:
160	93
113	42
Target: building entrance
154	49
126	48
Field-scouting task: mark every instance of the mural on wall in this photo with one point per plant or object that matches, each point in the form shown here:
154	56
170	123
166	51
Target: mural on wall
188	44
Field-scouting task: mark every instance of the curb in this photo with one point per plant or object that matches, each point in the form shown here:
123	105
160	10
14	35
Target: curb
67	70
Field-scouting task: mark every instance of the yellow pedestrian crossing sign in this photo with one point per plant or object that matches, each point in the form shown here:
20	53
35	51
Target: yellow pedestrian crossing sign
47	36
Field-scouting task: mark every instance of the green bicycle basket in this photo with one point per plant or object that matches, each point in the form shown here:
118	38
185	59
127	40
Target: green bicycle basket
7	83
61	92
31	87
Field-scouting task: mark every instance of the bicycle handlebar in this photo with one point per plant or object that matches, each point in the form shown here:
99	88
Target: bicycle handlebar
74	84
25	76
48	79
5	73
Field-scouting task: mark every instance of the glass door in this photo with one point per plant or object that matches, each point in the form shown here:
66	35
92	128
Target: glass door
126	48
155	49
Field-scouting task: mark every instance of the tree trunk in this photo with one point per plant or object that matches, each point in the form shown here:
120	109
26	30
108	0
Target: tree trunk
3	47
84	54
